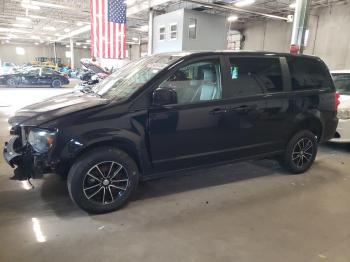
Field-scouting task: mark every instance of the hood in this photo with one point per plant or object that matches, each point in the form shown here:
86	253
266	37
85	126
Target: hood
55	107
93	67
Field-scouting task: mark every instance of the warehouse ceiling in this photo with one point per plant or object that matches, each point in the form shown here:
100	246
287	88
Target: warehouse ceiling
47	21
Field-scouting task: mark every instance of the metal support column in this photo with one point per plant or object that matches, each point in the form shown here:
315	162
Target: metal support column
71	45
150	31
300	21
55	54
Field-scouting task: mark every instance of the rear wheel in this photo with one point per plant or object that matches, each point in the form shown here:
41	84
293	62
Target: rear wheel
56	83
300	153
102	180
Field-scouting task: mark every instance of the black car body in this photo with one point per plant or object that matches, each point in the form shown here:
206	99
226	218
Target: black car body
178	111
34	76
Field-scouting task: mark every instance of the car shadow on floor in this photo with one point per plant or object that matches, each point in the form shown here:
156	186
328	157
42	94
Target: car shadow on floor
51	193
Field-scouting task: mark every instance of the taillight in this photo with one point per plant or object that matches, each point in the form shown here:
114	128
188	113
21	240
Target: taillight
337	101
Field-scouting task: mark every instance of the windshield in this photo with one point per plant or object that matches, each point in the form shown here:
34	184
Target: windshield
130	78
342	83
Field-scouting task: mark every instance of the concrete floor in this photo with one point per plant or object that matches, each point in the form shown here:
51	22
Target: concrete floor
249	211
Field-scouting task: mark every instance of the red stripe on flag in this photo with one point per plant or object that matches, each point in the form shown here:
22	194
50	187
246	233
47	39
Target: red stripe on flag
97	29
103	28
91	29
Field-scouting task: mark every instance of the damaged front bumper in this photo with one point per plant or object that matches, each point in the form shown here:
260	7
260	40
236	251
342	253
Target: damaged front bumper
26	162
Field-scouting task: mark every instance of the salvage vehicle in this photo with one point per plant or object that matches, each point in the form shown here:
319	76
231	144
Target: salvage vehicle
175	111
342	85
34	76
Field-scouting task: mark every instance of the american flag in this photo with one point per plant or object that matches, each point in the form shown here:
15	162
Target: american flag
108	27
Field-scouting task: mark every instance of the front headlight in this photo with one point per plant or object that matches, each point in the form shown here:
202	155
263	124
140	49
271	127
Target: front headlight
41	139
343	113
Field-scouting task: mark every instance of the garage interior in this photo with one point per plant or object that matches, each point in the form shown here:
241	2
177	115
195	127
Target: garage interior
246	211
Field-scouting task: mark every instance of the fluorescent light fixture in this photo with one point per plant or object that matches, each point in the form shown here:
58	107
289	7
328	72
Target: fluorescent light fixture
135	39
67	46
49	38
20	25
45	4
37	17
232	18
244	3
49	28
66	30
12	36
144	28
61	21
41	41
88	41
78	44
36	43
292	5
192	26
7	41
75	32
276	17
29	6
79	23
24	19
84	46
34	37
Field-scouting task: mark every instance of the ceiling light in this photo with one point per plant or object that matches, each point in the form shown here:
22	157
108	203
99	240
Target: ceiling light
232	18
41	41
88	41
7	41
12	36
20	25
36	43
79	23
66	30
28	6
49	28
24	19
67	46
61	21
37	17
135	39
144	28
78	44
44	4
84	46
293	5
49	38
244	3
34	37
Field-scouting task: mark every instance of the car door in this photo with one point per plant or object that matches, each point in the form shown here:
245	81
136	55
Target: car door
190	132
256	108
45	77
31	77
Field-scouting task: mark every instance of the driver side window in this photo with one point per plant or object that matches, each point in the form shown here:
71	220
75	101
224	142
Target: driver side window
196	82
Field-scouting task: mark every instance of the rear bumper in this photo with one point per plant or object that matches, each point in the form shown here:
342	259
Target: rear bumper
342	134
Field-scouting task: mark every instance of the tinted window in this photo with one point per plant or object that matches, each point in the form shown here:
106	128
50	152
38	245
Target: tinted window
199	81
342	83
251	75
308	74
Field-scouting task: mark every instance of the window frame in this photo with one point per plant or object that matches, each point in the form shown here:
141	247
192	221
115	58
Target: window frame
265	93
170	32
184	63
159	33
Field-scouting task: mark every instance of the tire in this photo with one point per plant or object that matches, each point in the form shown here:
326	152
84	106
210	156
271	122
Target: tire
12	82
300	153
56	83
85	179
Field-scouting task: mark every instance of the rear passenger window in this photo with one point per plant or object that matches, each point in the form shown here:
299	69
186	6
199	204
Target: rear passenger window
308	74
254	75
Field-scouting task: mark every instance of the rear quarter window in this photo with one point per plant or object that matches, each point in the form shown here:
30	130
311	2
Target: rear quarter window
308	74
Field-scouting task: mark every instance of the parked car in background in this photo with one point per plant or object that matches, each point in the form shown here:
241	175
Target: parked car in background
175	111
342	84
92	70
7	68
34	76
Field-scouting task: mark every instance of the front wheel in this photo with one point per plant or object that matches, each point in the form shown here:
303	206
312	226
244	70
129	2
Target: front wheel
102	180
300	153
56	83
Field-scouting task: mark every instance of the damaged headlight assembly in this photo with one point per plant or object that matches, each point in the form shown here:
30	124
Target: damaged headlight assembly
42	140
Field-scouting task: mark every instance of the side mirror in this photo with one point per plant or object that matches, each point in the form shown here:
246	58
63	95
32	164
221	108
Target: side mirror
164	96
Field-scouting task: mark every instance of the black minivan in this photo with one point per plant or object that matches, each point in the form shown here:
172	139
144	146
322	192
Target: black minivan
176	111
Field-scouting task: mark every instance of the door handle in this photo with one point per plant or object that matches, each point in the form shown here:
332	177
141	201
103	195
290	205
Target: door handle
244	108
218	111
